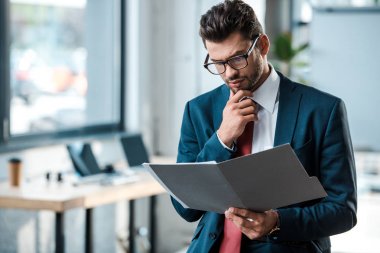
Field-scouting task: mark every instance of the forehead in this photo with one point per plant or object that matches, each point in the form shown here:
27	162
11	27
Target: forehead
233	45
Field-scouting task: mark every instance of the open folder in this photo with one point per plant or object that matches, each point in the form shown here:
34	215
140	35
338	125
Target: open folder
266	180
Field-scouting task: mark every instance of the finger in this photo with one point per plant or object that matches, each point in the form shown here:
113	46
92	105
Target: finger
250	117
240	221
246	103
253	229
239	95
251	233
246	98
244	212
247	111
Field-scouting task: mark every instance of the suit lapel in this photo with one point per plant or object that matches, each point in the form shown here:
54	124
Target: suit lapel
288	109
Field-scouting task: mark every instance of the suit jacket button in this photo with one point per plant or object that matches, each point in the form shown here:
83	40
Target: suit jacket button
212	236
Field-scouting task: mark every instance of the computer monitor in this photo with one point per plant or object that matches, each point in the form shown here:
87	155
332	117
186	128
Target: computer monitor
134	149
83	159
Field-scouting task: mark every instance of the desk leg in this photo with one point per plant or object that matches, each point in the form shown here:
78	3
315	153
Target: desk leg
153	223
132	226
88	232
59	233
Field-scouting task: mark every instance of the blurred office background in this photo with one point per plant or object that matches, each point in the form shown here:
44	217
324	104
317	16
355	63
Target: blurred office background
88	69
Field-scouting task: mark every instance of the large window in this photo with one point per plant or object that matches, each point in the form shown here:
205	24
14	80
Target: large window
64	66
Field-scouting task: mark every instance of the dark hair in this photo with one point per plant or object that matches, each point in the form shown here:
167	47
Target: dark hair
228	17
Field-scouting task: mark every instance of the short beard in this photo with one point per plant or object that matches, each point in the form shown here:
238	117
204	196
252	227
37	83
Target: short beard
255	77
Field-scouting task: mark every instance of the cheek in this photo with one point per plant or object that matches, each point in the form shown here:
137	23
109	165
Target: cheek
257	65
256	58
224	78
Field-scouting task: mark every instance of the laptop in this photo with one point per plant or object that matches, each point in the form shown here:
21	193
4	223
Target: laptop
134	150
87	167
83	159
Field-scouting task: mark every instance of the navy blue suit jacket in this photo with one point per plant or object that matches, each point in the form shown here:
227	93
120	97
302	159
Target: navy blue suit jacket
315	124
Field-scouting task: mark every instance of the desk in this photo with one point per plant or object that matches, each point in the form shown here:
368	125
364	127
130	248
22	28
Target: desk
62	197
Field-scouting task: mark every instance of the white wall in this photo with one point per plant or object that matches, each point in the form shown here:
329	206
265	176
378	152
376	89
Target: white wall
345	54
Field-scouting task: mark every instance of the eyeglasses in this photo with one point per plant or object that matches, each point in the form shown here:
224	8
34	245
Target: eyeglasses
236	62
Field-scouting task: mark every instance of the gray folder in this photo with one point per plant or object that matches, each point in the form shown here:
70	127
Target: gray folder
266	180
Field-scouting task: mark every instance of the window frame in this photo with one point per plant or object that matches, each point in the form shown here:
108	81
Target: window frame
10	143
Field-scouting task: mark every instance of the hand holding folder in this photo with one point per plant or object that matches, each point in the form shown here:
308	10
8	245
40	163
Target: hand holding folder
259	182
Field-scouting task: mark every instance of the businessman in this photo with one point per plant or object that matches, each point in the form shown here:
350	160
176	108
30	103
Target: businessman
255	109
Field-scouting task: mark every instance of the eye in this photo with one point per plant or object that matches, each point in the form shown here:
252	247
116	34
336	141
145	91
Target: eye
237	61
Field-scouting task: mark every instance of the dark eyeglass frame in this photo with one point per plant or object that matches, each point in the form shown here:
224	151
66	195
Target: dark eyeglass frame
245	56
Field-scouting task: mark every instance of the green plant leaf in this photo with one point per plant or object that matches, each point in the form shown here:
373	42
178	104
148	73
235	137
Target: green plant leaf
283	47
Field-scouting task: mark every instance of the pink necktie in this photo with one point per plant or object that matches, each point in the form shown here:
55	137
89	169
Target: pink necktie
232	235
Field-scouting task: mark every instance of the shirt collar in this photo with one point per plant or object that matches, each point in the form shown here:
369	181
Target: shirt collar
266	94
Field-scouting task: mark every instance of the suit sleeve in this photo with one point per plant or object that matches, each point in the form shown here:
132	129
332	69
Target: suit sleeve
191	149
337	212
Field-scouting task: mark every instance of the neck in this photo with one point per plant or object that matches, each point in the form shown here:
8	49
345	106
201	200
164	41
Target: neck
266	72
264	76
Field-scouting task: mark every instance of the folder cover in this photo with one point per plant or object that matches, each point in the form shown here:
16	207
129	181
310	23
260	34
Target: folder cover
259	182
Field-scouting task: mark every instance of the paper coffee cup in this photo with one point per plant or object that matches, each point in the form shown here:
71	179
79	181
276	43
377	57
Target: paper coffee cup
15	172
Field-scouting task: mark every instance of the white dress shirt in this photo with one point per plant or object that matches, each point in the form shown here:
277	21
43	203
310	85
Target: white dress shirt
266	96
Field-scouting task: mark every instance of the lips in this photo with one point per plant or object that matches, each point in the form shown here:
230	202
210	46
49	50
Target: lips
235	83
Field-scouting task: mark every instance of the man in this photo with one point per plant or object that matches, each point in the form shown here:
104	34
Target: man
217	125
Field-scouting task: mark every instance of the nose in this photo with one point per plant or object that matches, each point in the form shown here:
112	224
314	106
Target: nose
231	72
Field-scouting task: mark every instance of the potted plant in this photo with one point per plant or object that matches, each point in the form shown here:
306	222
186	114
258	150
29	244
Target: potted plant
285	53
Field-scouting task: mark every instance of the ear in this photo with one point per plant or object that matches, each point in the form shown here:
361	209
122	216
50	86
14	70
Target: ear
264	44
